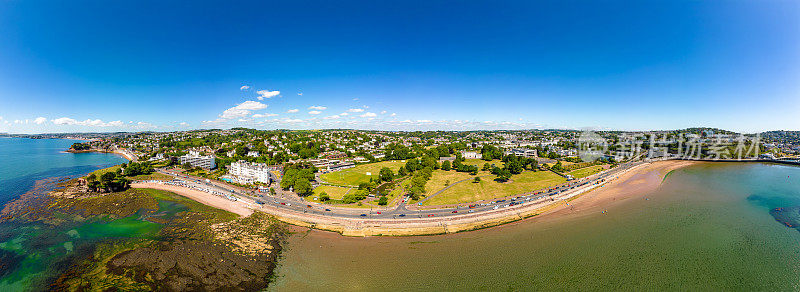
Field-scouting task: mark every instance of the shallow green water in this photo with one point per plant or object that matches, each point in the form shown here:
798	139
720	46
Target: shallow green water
708	227
39	252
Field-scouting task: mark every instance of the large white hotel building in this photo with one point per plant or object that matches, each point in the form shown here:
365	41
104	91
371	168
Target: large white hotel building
195	159
248	172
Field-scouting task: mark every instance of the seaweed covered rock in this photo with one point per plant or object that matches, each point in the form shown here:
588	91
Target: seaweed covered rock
194	266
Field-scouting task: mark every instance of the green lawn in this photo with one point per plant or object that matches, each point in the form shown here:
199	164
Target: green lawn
481	162
356	175
441	179
152	176
98	173
563	163
489	189
335	193
586	171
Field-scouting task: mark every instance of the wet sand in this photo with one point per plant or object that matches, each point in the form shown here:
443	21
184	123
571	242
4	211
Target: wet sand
634	184
202	197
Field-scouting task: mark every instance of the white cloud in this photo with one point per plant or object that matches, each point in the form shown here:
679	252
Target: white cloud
393	114
343	114
368	115
264	115
291	111
300	93
40	120
319	108
383	112
333	117
184	124
262	94
314	112
244	87
242	110
145	125
65	121
424	121
88	122
19	122
355	98
293	120
355	110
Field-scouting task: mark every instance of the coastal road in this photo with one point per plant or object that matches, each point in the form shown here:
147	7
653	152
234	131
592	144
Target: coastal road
399	212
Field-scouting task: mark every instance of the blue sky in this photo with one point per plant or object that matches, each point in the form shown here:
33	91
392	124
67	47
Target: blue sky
69	66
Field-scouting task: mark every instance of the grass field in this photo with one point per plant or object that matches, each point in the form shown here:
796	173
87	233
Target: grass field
356	175
152	176
441	179
586	171
489	189
481	162
335	193
563	163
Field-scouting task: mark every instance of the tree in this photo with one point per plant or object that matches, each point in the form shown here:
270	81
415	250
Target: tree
402	172
514	166
383	201
446	165
303	187
386	174
503	175
557	167
324	197
412	165
477	179
486	167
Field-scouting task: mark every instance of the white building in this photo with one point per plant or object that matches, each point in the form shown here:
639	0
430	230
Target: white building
158	156
249	172
195	159
471	155
522	152
252	154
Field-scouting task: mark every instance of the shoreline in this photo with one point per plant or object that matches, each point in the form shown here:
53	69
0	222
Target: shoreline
638	180
117	152
200	197
627	186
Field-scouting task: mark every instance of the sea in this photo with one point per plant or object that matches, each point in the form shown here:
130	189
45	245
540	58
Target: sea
32	254
709	226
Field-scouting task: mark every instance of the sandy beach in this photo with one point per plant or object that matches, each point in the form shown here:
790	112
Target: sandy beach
631	185
202	197
634	183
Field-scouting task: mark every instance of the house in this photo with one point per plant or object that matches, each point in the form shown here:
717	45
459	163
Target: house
471	155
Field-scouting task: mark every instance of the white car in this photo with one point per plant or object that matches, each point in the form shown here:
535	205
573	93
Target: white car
495	208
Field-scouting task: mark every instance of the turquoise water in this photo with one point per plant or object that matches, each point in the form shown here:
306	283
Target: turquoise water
32	253
24	161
